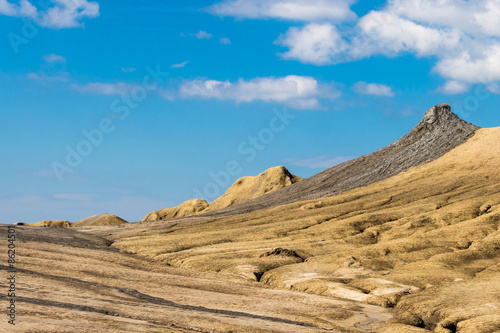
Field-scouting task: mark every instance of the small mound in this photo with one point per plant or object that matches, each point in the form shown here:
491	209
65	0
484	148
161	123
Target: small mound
49	224
244	189
248	188
100	220
187	208
280	252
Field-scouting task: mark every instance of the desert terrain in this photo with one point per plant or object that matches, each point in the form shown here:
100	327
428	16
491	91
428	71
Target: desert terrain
406	239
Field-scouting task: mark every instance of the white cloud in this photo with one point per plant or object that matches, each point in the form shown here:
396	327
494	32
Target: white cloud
317	44
462	36
54	58
180	65
225	41
98	88
203	35
300	92
22	9
299	10
128	69
454	87
63	14
69	13
58	77
373	89
319	162
472	69
390	34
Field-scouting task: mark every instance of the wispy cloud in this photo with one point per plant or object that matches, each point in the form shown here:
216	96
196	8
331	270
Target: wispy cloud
374	89
128	69
319	162
99	88
203	35
453	87
180	65
311	10
54	58
63	14
45	78
225	41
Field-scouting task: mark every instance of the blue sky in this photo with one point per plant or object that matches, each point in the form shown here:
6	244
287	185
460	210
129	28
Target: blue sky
127	107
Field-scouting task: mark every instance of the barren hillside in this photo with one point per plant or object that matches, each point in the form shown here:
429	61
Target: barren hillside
406	239
438	132
407	242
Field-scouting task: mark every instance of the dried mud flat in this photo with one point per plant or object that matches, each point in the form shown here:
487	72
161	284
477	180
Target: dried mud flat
72	281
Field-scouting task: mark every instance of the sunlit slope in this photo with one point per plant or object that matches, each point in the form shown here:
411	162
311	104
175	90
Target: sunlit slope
439	131
244	189
186	208
426	231
251	187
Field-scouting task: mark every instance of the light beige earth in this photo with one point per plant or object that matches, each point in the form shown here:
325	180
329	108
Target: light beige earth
96	220
416	252
244	189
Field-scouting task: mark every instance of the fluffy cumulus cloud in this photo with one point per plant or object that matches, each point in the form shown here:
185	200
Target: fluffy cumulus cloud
463	36
315	43
21	9
374	89
300	92
61	14
312	10
390	34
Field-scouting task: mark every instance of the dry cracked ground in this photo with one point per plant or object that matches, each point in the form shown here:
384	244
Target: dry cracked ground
416	252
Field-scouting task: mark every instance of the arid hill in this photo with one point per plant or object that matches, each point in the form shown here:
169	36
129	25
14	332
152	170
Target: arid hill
96	220
439	131
244	189
248	188
100	220
50	224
